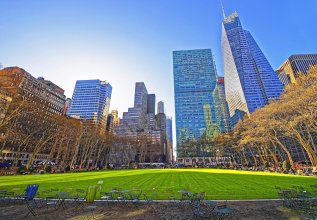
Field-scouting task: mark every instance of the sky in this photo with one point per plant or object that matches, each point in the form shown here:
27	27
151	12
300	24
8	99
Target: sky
128	41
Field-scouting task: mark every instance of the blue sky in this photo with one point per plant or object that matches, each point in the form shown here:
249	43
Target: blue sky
125	41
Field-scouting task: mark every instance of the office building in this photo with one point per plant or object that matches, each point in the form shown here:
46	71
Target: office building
113	120
160	107
17	81
294	65
91	102
194	83
139	125
116	119
161	124
32	102
250	81
151	100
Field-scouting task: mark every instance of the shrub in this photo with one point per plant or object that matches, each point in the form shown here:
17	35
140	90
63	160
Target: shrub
67	168
21	169
48	169
32	169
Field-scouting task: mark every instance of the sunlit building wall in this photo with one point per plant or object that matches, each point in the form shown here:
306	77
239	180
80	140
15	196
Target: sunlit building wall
294	65
91	102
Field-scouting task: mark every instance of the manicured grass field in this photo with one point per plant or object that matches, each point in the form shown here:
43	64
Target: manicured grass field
217	183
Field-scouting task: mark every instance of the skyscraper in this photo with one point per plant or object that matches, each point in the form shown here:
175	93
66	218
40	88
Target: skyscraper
140	96
194	83
169	134
91	102
294	65
116	119
151	103
140	124
250	81
160	107
160	119
113	120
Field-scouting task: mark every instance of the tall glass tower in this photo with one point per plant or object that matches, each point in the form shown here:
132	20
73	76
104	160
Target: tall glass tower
250	81
91	101
194	83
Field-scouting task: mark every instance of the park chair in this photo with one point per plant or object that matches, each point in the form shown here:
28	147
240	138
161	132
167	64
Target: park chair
106	196
210	205
185	198
197	198
79	198
198	211
29	196
48	199
149	198
18	194
3	195
223	211
289	197
124	197
135	196
10	197
61	199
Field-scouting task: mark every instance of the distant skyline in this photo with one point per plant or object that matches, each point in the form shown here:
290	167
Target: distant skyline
128	41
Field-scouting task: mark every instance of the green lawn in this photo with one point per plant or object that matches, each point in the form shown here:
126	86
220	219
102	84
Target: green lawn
217	183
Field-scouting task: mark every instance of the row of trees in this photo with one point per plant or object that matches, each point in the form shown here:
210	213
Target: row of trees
284	130
29	127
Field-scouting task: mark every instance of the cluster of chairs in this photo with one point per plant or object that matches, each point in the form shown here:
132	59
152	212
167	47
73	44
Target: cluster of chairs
15	196
79	198
203	208
76	198
129	197
298	198
47	199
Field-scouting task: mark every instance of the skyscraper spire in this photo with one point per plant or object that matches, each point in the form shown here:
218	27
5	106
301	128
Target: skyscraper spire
223	10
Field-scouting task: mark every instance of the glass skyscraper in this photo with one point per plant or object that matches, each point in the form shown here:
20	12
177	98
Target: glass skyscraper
91	101
250	81
194	83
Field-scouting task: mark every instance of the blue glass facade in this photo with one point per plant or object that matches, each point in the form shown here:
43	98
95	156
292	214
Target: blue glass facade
221	106
250	81
91	100
194	83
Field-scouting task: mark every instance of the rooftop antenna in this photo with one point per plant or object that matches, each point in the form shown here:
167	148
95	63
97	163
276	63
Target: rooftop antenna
223	10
